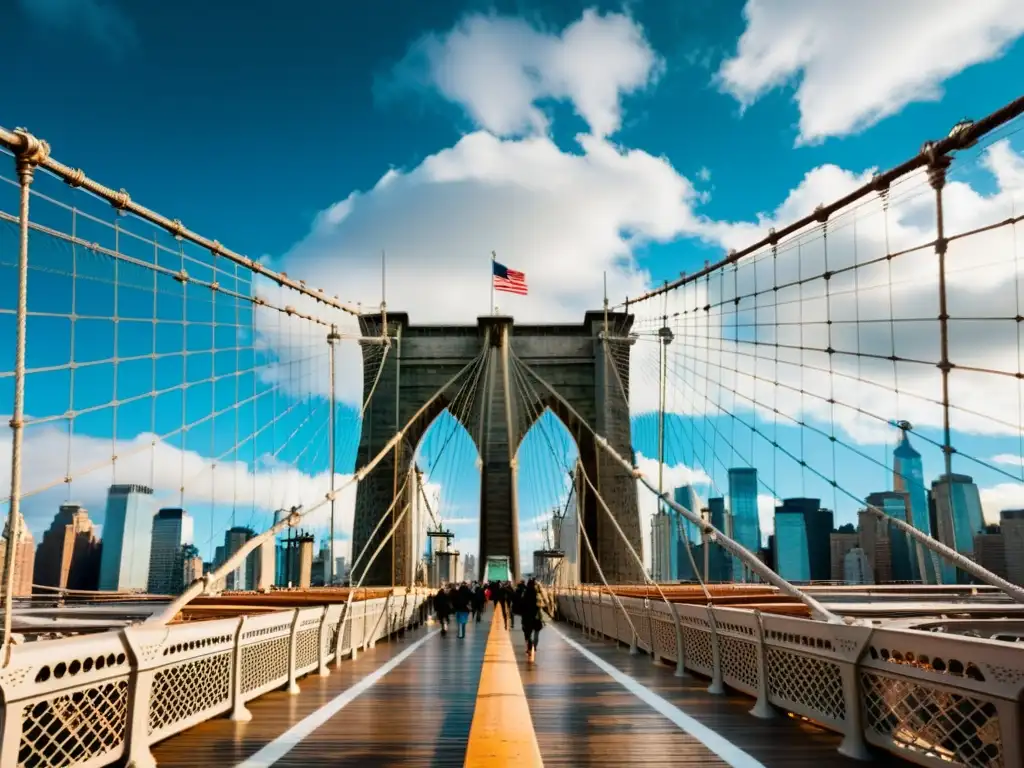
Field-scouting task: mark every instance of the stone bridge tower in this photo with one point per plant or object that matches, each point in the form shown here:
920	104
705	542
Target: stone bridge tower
571	358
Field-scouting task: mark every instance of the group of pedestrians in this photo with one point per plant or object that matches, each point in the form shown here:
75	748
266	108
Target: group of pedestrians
465	601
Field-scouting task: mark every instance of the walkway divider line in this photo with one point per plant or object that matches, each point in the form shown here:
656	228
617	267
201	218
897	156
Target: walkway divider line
291	738
722	747
502	732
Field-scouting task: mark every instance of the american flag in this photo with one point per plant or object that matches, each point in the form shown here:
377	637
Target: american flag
508	280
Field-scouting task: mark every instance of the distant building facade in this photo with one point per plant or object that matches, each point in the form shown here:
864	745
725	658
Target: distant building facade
959	518
904	565
68	556
173	528
839	545
24	557
127	538
856	569
746	525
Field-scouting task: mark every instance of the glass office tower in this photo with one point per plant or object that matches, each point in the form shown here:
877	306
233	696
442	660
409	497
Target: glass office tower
127	537
746	527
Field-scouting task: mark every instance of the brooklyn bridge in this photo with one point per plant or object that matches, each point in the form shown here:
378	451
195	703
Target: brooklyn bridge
200	625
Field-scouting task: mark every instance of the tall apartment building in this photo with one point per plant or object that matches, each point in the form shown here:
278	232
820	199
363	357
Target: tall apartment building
839	545
1011	526
904	562
127	536
24	558
874	540
172	530
856	569
68	556
245	575
192	567
990	552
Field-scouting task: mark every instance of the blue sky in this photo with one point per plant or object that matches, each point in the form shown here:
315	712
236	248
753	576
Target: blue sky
440	132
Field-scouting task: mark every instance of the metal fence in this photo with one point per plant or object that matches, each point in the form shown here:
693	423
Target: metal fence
932	699
94	700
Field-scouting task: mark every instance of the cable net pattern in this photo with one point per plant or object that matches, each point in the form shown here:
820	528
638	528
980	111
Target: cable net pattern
163	368
74	727
932	722
866	361
184	690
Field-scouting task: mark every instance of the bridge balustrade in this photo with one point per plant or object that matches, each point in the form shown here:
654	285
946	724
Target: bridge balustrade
932	699
93	700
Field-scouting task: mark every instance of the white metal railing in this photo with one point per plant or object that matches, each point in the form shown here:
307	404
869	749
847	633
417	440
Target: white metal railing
93	700
930	698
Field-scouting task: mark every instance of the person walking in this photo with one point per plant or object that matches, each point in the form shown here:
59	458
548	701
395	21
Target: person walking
479	601
516	600
503	597
443	609
533	619
463	602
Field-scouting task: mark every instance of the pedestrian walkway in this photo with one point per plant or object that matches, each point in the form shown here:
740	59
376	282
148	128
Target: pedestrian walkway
502	731
417	714
429	700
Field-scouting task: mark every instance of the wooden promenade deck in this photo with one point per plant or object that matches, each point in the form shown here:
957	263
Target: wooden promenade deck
589	704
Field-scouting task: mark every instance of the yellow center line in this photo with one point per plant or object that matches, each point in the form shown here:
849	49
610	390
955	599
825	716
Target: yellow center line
502	732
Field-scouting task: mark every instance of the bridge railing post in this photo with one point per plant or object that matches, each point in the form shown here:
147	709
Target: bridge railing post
293	687
680	645
10	729
716	686
329	635
239	712
140	688
762	707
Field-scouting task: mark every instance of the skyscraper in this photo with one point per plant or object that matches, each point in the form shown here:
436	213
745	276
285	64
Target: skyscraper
719	560
244	576
686	497
792	559
803	549
172	528
958	516
24	558
663	551
902	550
1011	525
908	478
670	530
68	556
840	544
876	545
746	527
127	534
856	569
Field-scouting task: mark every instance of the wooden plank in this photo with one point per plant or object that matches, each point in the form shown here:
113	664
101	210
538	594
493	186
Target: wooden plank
419	714
783	741
502	732
584	718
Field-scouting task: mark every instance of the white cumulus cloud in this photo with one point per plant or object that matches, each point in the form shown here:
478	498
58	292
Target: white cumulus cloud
856	63
499	68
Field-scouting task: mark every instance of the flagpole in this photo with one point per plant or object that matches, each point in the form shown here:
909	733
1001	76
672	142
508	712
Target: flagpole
494	258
